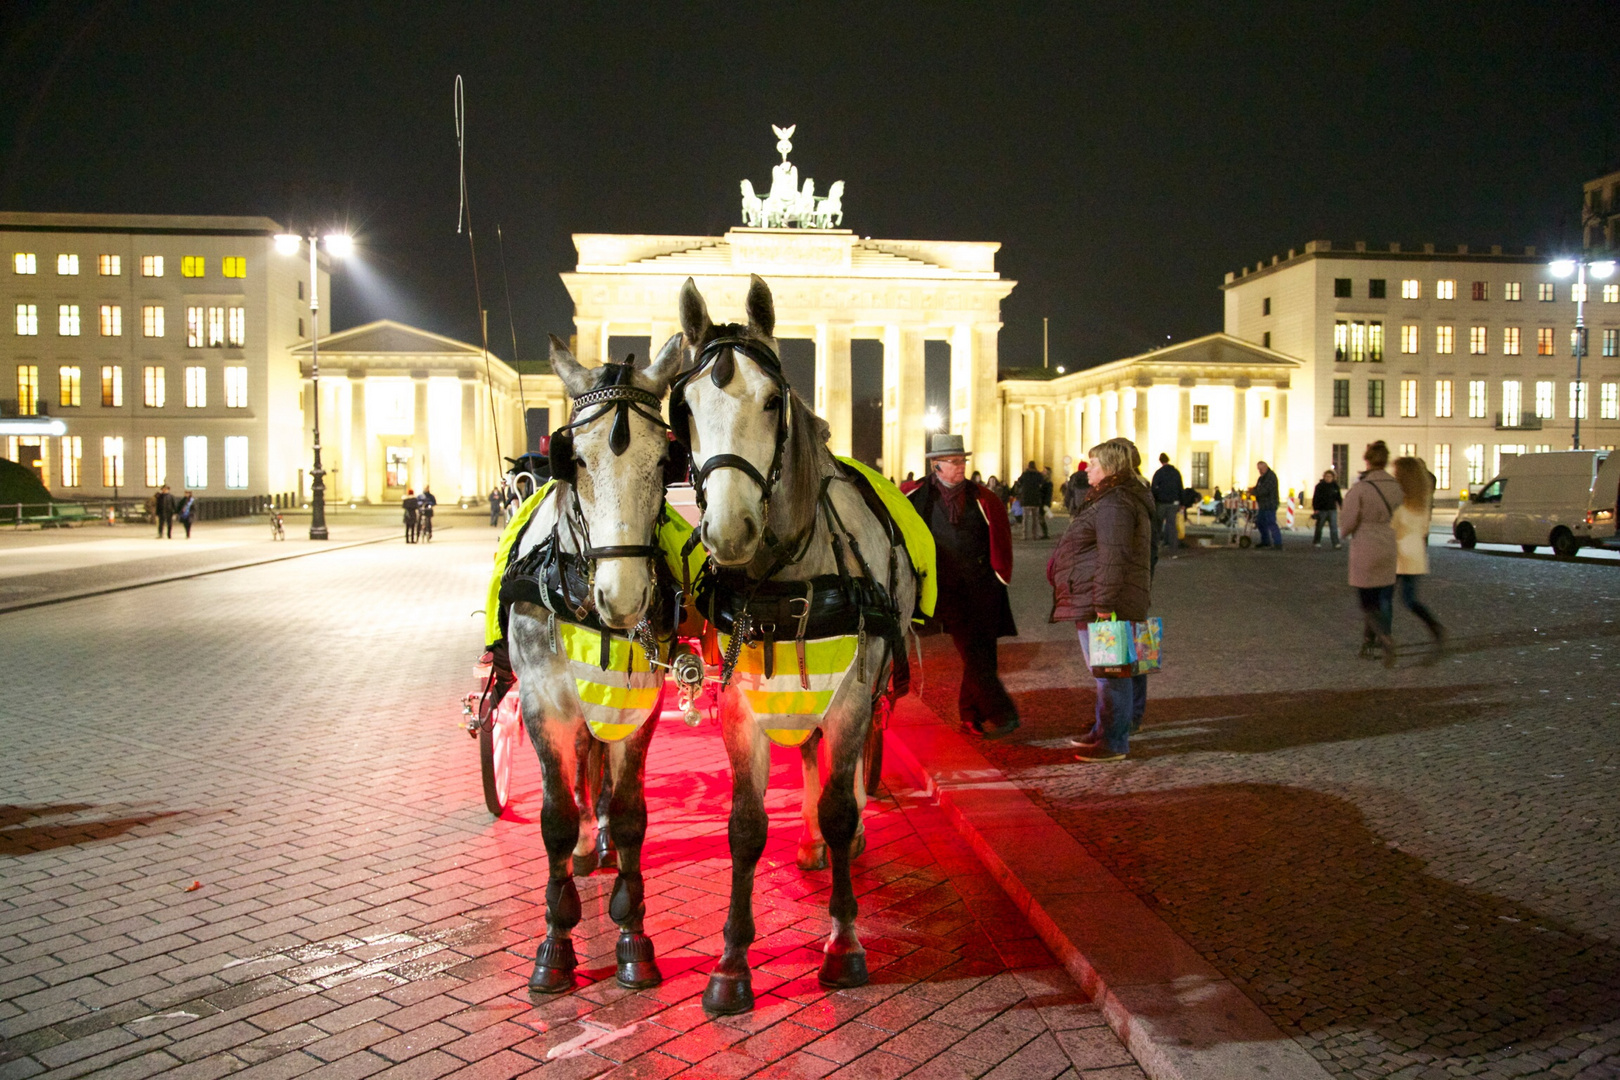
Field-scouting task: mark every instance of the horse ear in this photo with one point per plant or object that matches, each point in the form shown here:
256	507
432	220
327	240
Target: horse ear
574	377
666	365
695	322
761	308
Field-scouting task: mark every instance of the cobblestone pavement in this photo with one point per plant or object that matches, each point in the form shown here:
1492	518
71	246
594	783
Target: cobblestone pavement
285	738
1415	872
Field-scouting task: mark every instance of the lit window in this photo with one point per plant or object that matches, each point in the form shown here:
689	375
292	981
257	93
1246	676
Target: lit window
68	391
153	394
1409	338
1445	339
112	461
1512	403
151	266
1609	401
1200	414
1474	455
1358	341
24	262
1409	397
157	461
1476	340
67	265
1375	397
1505	450
1442	398
1375	341
72	460
196	387
152	320
1545	389
1510	341
112	320
1445	289
1479	398
1540	448
27	390
1510	290
1442	465
236	461
236	387
1482	290
67	320
1611	343
195	450
1577	399
236	331
1577	292
110	265
1408	450
1544	341
1547	291
194	327
216	327
191	266
234	266
27	319
1411	289
1341	341
112	386
1341	397
1611	294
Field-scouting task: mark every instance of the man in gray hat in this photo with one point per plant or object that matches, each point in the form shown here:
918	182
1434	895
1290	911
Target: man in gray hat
973	546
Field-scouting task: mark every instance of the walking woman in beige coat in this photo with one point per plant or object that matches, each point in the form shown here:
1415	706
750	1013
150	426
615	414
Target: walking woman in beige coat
1412	537
1369	510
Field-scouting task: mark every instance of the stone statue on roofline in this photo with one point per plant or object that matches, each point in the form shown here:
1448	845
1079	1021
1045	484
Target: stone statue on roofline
788	205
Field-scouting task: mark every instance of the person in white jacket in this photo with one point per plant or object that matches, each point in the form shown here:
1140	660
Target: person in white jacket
1411	523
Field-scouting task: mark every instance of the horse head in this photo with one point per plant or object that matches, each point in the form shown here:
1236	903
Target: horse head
612	456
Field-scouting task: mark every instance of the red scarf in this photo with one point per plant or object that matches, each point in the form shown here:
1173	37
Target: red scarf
953	499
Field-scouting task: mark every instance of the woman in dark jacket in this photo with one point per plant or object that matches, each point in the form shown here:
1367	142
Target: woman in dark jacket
1102	569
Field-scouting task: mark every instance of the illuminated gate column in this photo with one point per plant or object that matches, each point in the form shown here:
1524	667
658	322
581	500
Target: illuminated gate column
1240	434
1279	436
903	401
984	420
833	393
1184	428
590	344
355	456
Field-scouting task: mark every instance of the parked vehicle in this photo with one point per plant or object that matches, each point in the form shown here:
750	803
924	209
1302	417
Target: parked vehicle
1560	500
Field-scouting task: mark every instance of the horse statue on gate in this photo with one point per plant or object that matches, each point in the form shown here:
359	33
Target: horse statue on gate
590	632
810	587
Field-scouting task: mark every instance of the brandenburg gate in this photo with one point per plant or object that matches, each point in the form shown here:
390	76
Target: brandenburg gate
831	287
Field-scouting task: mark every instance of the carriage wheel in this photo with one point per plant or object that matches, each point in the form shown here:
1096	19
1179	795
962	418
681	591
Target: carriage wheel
872	760
498	743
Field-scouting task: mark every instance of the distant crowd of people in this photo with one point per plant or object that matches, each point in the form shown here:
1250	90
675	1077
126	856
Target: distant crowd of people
167	510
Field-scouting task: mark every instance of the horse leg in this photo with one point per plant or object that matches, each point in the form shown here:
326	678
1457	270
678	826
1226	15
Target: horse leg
844	960
606	847
812	848
559	826
588	752
730	988
627	824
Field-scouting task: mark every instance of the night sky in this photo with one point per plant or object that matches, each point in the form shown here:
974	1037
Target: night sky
1124	162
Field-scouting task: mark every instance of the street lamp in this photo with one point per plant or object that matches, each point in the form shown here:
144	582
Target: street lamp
933	421
338	245
1601	269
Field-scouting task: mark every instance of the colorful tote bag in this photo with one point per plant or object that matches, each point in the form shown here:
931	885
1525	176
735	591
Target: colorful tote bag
1111	644
1149	640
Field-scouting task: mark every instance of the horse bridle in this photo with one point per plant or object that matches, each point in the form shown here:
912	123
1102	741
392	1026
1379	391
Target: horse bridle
718	358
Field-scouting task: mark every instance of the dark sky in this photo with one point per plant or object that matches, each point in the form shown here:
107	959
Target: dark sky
1125	162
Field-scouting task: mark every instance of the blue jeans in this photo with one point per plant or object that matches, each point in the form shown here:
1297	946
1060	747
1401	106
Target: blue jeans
1266	522
1120	704
1377	612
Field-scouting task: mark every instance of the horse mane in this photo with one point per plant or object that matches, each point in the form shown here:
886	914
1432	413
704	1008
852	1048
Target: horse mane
805	460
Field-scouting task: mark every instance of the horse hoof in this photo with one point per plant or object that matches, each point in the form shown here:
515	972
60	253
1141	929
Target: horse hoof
728	995
857	847
606	853
842	970
812	855
638	970
553	967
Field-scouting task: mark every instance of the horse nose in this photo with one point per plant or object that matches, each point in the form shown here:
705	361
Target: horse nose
612	616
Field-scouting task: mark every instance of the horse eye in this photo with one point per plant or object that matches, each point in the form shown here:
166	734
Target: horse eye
774	403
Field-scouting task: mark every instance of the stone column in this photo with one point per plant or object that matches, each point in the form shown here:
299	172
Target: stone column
469	440
603	354
892	366
1242	475
1015	440
589	342
913	437
419	435
1141	436
659	331
357	441
984	430
959	414
1279	440
1184	431
833	394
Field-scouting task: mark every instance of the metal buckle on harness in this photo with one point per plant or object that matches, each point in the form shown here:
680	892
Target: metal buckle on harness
798	639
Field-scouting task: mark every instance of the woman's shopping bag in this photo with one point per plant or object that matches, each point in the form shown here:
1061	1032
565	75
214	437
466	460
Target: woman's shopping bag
1148	640
1111	644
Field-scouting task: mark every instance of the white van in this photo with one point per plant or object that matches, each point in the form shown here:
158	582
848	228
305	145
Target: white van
1562	500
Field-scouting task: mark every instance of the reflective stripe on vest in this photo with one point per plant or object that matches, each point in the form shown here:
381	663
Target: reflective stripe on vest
785	710
616	701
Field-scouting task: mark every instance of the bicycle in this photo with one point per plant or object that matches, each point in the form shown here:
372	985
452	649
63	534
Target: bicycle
278	531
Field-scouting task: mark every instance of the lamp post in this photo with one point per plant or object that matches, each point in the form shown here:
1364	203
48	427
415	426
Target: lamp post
1601	269
337	245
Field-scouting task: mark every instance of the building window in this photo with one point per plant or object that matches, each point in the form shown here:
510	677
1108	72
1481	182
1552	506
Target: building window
152	320
1409	397
24	262
1358	340
1407	450
157	461
1611	343
1577	292
1265	340
1504	450
112	320
1544	341
1512	404
1200	469
151	266
1577	400
236	332
1609	401
1510	341
1477	338
1409	338
1265	306
67	320
1375	341
192	266
300	326
1375	397
110	265
1445	289
1445	339
72	460
27	319
112	386
1341	286
194	327
1265	409
1547	292
1341	397
112	461
195	452
1442	398
1544	399
67	266
1510	290
27	389
1200	414
1479	399
1442	465
1375	288
236	387
67	384
216	327
233	266
1341	463
1482	290
1474	455
153	394
236	461
1411	289
196	387
1611	294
